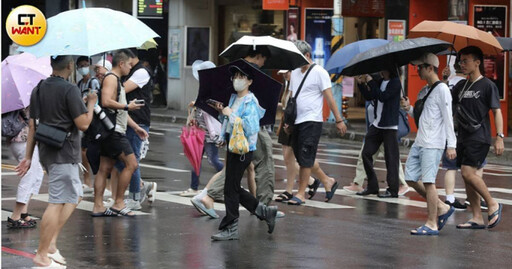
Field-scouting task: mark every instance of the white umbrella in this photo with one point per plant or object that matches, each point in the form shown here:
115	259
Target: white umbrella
283	54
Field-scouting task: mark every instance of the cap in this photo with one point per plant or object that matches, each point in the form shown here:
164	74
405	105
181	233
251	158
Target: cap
200	65
244	70
107	64
427	58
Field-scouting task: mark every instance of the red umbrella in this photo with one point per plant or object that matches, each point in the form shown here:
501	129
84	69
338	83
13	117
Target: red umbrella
192	139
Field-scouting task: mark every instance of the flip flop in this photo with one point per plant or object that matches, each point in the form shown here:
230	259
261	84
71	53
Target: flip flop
424	230
284	197
123	212
106	213
313	188
496	213
441	220
472	225
296	201
330	194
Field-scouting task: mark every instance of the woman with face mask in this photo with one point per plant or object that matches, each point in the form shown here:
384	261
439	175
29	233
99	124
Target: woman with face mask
245	107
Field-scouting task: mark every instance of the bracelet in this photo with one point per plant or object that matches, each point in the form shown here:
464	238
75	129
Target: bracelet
125	107
339	121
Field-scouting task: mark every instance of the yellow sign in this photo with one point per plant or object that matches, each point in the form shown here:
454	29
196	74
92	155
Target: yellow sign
26	25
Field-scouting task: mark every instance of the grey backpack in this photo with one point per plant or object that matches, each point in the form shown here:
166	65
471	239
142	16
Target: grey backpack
13	122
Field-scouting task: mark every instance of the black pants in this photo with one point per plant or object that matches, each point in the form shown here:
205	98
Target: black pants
234	195
374	138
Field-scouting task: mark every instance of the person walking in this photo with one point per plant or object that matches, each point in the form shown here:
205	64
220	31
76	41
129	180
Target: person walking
243	107
435	132
65	188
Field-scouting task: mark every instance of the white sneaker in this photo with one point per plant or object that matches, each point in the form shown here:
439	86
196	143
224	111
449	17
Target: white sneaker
152	192
87	189
132	204
57	257
108	203
189	193
53	264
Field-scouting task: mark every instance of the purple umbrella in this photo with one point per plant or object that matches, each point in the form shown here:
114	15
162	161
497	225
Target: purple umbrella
20	75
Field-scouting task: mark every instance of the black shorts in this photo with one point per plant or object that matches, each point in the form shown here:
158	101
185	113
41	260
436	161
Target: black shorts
305	139
472	153
114	145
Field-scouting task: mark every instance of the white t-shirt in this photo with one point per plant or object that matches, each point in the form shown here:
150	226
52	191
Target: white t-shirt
310	100
140	77
453	81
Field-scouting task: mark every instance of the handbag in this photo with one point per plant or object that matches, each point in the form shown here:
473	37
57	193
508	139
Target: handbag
238	143
13	122
403	124
420	104
290	112
47	134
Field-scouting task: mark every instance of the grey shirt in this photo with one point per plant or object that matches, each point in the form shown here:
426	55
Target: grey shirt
60	103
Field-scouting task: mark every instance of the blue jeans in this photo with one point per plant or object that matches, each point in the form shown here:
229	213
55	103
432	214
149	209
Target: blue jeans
212	153
136	143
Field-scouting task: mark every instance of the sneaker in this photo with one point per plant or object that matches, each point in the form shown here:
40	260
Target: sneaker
108	203
280	214
19	224
189	193
132	204
87	189
151	191
353	188
456	204
483	204
403	190
107	193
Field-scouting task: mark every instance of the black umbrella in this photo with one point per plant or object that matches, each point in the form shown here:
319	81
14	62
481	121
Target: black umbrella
216	84
393	55
505	42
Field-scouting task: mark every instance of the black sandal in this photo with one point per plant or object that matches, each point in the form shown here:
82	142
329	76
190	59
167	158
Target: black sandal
284	197
313	188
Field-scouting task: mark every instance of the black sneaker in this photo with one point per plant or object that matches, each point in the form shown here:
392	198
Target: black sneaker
457	205
483	204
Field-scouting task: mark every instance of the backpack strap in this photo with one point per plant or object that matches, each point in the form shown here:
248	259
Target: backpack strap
302	82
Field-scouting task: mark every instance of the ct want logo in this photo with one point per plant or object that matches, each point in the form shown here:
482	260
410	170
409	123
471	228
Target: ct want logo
26	25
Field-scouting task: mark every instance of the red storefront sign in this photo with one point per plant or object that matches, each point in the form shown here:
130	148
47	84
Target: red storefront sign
275	4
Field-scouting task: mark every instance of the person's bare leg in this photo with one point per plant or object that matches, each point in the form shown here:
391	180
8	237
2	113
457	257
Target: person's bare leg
49	226
472	179
85	163
130	164
449	181
432	198
106	165
65	213
292	167
419	187
19	208
474	200
251	179
304	174
207	202
114	181
319	173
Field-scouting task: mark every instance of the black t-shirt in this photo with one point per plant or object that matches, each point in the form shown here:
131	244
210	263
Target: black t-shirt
477	100
60	103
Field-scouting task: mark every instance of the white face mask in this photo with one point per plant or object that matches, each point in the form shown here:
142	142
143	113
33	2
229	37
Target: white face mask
84	71
239	84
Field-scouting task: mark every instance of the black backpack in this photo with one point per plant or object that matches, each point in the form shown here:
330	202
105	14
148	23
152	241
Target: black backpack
13	122
97	130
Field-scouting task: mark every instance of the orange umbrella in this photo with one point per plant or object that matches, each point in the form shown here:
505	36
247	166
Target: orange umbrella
459	35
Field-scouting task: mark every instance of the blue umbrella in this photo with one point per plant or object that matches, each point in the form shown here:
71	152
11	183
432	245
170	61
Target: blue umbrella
340	58
89	31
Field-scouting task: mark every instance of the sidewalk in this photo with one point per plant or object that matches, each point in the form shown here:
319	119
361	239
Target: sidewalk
356	130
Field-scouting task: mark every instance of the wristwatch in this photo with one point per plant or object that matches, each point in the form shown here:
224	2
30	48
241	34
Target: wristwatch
500	135
125	107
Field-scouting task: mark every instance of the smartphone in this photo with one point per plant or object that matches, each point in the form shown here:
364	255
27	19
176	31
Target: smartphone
139	102
213	102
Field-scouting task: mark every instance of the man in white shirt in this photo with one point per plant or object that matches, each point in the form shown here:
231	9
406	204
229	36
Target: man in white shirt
308	124
435	130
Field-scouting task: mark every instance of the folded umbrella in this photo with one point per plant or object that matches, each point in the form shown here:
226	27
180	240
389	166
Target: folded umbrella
283	53
192	139
89	31
393	55
460	35
216	84
341	57
20	75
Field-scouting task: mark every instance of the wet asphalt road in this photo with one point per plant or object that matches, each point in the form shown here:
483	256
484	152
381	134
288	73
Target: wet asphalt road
349	232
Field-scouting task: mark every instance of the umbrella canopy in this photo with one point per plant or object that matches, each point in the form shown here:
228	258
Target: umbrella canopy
215	83
192	139
340	58
150	44
460	35
283	54
393	55
20	75
506	43
89	31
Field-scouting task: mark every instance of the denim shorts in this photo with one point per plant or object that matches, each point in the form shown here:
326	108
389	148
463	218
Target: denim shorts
422	164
